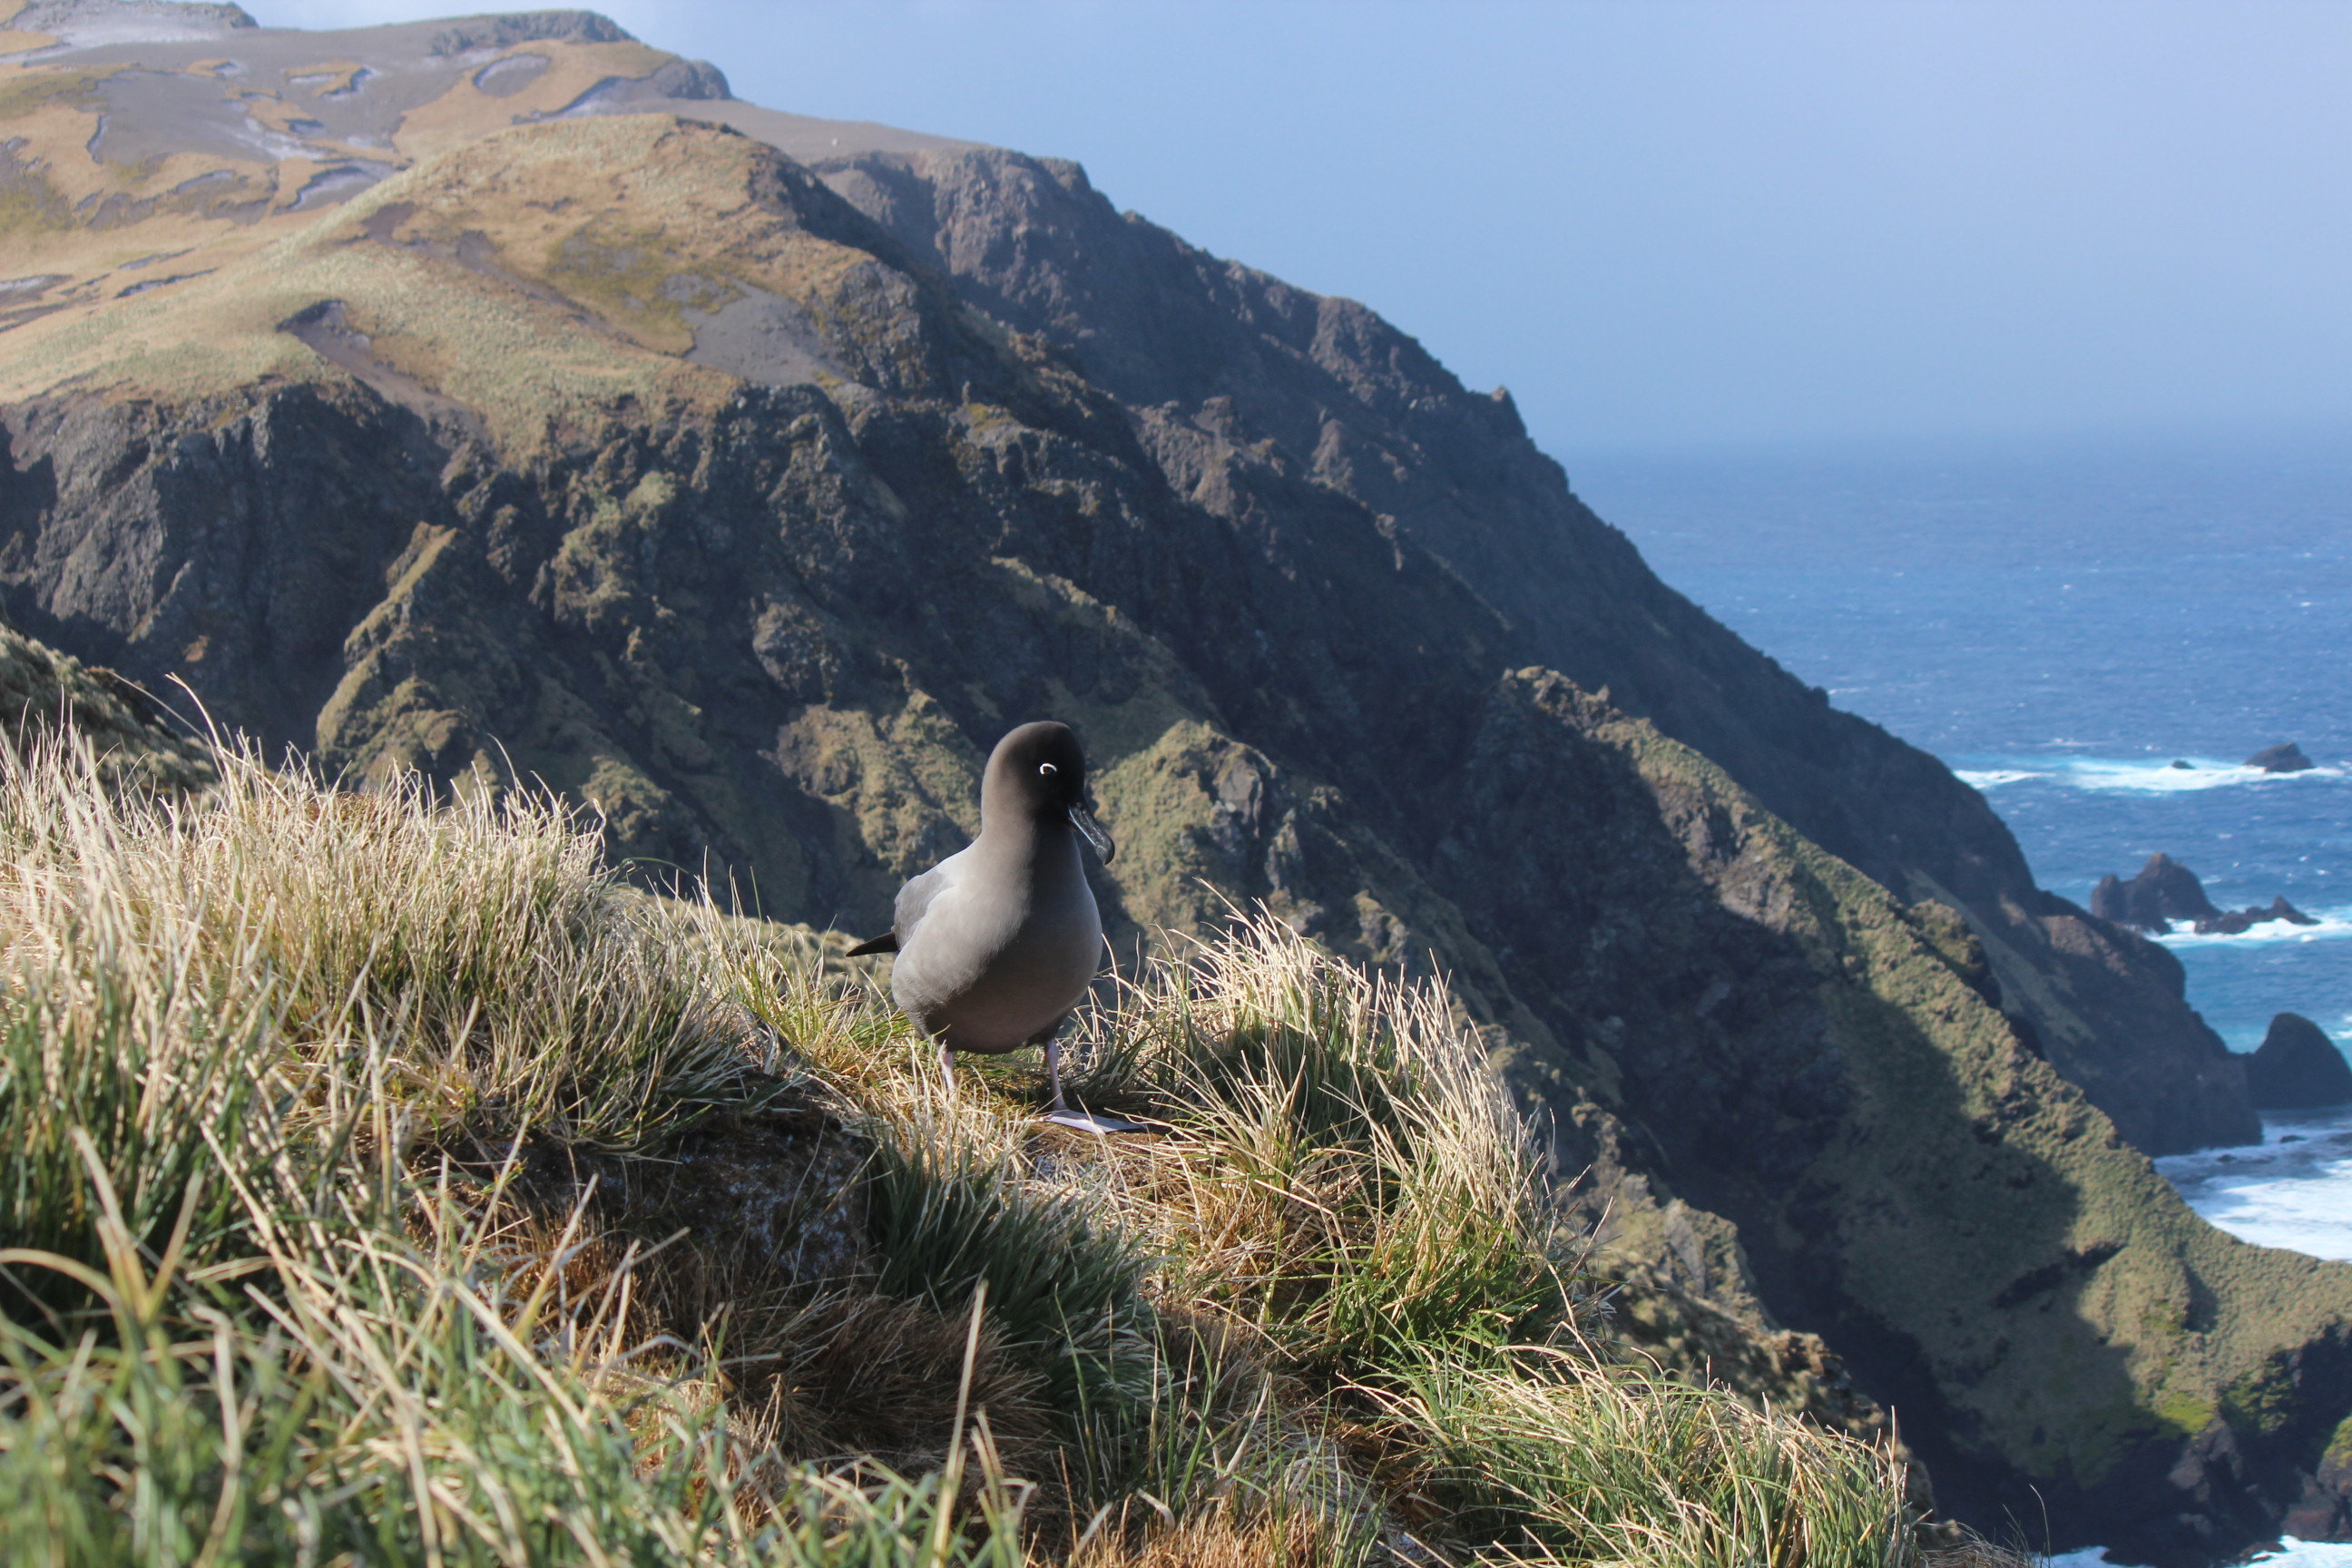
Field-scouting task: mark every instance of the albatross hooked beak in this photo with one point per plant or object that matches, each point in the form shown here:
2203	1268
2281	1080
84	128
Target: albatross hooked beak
1091	831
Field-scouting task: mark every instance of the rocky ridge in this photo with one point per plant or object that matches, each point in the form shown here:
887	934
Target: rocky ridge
134	741
1246	391
749	498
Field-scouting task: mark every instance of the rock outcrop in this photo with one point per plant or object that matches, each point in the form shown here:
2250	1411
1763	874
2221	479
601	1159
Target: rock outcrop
748	501
2235	922
2297	1067
2285	758
2164	891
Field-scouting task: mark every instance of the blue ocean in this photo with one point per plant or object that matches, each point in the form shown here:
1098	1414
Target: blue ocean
2064	623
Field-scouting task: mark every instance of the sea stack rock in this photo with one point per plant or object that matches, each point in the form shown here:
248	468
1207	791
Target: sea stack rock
2297	1067
2252	915
2285	758
2164	891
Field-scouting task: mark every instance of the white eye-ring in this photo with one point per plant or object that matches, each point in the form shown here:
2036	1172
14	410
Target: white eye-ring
1047	770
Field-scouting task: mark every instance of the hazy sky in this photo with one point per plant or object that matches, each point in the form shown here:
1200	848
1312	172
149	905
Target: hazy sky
1669	225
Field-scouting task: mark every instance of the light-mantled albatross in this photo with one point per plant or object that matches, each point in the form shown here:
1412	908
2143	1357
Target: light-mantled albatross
998	943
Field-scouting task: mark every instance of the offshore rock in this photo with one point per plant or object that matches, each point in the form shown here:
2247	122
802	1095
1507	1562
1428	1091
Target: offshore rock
2237	922
2297	1067
2164	890
2111	900
2287	758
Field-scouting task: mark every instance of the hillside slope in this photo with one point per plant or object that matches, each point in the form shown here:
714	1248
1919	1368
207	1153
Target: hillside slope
628	454
650	1248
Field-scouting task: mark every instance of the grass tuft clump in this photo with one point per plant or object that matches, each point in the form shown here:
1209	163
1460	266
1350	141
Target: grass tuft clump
1064	1280
1552	1456
1412	1210
382	1181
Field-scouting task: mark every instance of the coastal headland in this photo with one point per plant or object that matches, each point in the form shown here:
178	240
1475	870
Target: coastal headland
501	405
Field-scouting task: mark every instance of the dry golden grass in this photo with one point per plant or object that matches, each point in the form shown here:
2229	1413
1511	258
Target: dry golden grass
1220	1540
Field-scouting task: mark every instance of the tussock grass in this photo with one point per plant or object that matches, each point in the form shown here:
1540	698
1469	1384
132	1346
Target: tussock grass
1552	1458
1064	1282
1355	1184
383	1181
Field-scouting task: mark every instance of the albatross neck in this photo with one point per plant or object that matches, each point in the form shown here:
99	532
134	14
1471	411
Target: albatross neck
1025	838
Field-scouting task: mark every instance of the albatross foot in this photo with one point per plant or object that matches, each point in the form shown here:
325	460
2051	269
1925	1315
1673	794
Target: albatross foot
1094	1121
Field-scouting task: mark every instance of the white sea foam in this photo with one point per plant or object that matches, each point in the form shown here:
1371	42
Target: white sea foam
2292	1553
2139	776
2136	776
2292	1190
2334	924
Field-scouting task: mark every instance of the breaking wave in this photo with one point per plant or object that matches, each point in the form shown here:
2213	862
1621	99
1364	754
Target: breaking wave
2292	1190
2136	776
2290	1553
2334	926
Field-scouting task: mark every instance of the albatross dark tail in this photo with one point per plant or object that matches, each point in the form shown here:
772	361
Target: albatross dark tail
886	942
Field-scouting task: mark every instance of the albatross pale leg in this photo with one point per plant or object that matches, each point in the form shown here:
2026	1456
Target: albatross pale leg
1084	1120
947	1068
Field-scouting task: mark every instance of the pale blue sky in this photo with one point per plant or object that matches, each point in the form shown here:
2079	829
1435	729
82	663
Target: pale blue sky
1671	223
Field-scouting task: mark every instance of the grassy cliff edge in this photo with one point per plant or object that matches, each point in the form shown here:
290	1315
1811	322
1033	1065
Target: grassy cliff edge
386	1182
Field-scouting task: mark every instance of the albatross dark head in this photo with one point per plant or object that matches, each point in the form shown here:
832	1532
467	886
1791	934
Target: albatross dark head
1039	773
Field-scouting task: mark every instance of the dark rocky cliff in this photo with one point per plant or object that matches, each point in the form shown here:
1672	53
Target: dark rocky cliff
749	504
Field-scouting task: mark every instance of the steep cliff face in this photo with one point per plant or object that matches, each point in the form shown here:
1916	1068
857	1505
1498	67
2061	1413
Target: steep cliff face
1817	1064
630	456
1229	374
